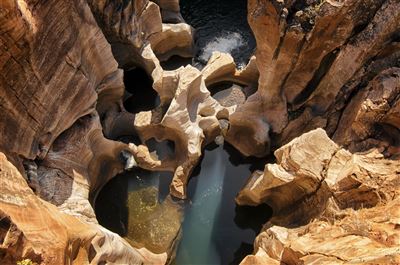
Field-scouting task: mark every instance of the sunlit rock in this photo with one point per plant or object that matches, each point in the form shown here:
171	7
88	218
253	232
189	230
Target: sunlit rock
325	198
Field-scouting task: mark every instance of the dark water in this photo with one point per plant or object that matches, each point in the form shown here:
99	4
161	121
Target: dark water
215	230
221	25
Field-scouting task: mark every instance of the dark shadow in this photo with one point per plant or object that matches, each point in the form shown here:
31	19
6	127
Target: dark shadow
238	219
221	86
323	68
388	133
253	217
218	87
111	210
256	163
130	139
191	187
175	62
244	250
140	86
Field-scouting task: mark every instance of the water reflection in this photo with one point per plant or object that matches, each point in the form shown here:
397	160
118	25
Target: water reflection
215	230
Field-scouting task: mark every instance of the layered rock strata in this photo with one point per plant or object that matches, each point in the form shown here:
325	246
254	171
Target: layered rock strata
313	57
328	64
330	206
59	79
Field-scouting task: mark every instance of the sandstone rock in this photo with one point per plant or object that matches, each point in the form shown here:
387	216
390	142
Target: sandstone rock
376	104
298	172
328	64
35	229
301	61
58	75
190	119
367	236
330	206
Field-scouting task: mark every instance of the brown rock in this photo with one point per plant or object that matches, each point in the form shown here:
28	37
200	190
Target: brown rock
35	229
330	206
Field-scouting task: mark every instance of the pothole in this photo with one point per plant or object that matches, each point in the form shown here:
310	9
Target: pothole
221	25
140	95
230	94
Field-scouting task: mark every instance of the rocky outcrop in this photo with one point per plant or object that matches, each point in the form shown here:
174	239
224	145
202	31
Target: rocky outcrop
366	236
191	118
326	199
58	76
37	230
373	111
314	58
319	64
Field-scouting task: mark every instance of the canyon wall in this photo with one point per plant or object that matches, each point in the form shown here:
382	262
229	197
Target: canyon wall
318	64
59	81
332	65
317	58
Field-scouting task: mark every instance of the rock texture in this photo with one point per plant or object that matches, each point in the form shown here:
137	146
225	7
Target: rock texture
319	64
35	229
313	58
58	76
330	206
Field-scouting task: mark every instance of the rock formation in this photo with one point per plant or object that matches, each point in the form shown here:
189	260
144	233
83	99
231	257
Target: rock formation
313	57
59	83
319	64
330	206
31	228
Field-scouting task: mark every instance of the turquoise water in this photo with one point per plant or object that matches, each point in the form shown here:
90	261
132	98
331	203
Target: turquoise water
215	230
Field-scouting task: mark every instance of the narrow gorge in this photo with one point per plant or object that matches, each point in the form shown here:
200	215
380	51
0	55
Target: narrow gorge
199	132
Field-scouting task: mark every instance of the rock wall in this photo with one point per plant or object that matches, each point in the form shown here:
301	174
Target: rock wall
330	206
313	58
319	64
58	76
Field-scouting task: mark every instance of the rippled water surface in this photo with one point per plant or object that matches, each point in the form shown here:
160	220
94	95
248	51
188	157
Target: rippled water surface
221	25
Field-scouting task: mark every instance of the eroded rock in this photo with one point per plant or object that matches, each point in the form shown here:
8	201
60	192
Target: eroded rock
330	206
35	229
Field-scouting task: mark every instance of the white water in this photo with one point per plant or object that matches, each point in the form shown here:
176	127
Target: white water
226	43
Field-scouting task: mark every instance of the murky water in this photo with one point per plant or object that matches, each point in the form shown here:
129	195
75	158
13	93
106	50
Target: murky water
221	25
133	206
